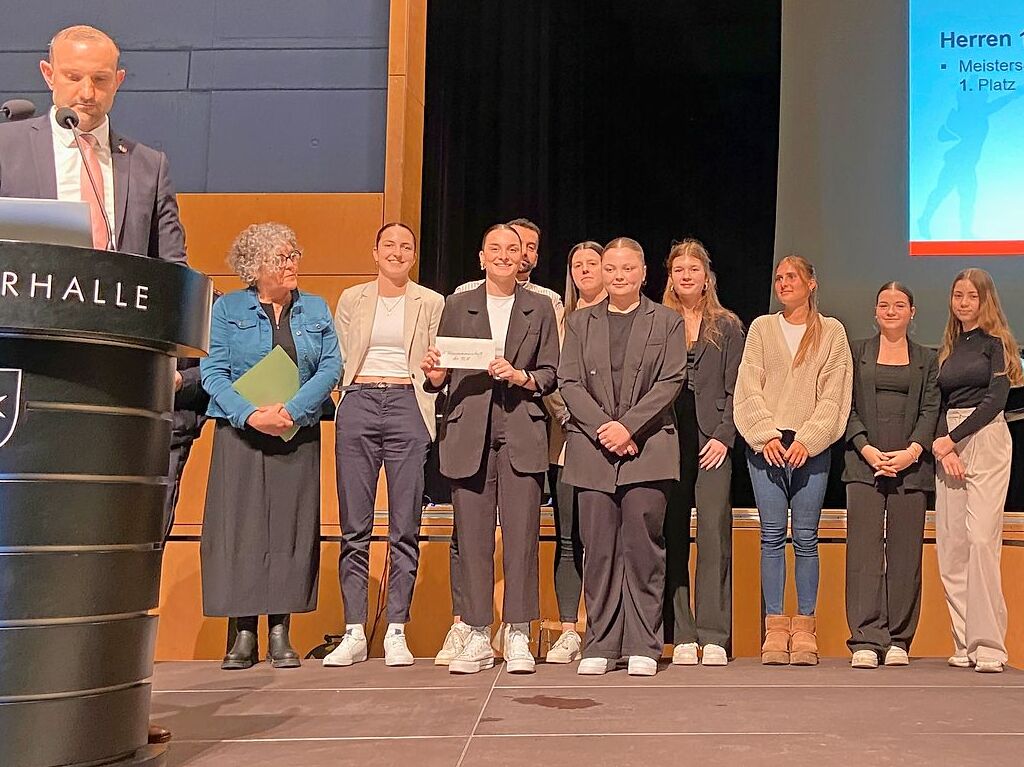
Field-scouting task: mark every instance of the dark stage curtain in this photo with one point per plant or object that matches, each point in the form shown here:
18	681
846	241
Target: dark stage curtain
654	119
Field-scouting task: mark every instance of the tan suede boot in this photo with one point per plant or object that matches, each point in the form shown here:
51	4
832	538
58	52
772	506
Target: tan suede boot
775	650
803	643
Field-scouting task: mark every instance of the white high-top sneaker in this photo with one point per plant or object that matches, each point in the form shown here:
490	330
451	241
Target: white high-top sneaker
396	650
454	642
476	654
518	657
351	649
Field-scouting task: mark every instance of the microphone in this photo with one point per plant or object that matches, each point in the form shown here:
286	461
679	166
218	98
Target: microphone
67	117
17	109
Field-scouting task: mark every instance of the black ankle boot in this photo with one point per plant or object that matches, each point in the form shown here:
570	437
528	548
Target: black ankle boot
282	654
245	648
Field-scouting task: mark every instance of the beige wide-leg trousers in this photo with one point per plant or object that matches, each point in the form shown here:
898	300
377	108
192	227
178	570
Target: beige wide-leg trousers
968	535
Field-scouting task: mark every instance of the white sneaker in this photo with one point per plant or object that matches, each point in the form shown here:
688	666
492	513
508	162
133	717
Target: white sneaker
595	666
641	665
566	649
714	655
518	657
454	642
476	654
396	651
685	654
351	649
959	661
988	666
864	659
896	656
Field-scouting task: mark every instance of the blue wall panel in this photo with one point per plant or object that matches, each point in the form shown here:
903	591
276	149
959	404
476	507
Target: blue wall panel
243	95
296	141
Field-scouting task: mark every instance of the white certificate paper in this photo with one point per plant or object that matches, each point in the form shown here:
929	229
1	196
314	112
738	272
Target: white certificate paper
465	353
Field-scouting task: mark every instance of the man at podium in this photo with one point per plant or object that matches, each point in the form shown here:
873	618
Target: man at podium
131	187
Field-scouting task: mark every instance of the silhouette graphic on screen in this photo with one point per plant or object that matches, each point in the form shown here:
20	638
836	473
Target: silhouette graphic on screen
967	124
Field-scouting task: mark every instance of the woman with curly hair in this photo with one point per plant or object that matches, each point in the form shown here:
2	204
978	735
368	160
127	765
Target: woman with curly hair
260	550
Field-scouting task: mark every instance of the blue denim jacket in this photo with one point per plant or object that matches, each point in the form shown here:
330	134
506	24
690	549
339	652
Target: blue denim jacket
241	336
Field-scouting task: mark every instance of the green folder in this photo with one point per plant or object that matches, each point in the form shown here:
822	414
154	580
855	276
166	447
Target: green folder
273	379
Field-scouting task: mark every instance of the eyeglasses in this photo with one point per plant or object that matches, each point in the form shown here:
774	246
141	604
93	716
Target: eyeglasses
280	260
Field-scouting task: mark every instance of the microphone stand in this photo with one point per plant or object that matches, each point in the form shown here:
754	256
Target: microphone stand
92	181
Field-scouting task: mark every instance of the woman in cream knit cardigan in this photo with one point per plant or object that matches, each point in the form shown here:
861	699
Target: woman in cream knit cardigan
792	402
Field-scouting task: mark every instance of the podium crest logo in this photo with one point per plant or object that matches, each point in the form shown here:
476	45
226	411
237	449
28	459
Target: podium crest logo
10	403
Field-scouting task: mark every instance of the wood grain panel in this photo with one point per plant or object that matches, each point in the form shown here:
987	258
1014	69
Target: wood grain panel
398	37
335	230
186	634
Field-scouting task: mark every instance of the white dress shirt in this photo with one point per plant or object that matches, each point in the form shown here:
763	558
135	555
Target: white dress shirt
68	164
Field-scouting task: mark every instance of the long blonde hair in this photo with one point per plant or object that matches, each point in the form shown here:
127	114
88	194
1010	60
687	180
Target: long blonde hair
572	295
812	335
713	315
990	319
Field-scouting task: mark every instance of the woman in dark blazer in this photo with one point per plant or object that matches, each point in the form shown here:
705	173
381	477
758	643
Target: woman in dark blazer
888	476
494	447
714	347
622	367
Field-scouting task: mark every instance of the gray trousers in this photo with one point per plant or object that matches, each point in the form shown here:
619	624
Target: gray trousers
623	569
884	539
476	501
378	427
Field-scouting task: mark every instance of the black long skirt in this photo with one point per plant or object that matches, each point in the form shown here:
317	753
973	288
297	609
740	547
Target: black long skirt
260	550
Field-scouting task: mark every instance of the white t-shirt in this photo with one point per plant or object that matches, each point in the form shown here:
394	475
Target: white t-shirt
499	312
793	333
385	355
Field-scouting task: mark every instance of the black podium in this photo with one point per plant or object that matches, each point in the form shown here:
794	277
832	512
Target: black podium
87	346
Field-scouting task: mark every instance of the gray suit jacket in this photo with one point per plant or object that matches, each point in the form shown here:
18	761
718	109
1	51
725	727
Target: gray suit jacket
653	375
714	381
919	420
145	208
531	345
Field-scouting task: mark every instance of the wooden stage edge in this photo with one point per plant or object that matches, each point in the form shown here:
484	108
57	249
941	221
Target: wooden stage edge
186	634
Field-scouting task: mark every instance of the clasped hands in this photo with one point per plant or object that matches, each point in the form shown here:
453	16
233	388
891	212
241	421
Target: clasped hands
615	438
274	420
892	462
794	456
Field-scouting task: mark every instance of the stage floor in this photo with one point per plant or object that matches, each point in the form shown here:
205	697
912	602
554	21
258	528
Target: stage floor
744	714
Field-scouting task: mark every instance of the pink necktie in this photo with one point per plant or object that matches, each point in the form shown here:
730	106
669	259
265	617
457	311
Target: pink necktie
99	229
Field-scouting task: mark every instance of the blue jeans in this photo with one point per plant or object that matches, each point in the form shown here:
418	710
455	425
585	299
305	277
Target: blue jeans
777	491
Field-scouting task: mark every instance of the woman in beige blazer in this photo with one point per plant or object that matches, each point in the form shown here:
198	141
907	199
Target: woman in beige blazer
384	417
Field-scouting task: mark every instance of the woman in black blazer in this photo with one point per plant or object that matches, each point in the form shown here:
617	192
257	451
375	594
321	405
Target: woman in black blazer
714	347
888	476
494	448
622	366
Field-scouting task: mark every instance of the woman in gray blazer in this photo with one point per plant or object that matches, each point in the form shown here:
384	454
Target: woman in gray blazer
714	347
494	447
622	367
888	474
